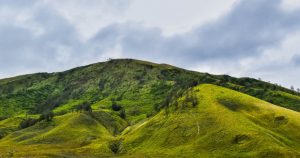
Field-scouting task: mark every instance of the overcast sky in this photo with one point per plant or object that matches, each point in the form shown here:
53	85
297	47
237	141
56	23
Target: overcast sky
255	38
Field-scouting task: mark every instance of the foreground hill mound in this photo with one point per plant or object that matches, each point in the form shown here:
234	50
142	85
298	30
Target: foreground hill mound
224	123
206	121
70	135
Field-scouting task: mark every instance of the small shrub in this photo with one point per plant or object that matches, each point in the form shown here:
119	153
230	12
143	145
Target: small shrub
194	100
123	114
115	106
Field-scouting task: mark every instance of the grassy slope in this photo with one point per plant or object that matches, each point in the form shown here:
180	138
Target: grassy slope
74	134
9	125
213	128
138	86
291	101
224	124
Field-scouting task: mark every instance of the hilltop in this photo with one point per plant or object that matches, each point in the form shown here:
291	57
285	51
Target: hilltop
134	108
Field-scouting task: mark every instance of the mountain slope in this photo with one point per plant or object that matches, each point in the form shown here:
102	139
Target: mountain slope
139	86
133	108
224	123
68	135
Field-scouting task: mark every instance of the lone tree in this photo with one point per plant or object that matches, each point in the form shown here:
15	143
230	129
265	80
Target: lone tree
292	88
298	90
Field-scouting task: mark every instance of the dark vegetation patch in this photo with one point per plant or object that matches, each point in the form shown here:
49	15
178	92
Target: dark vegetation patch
115	146
240	138
115	106
85	106
122	113
280	120
3	118
230	104
47	116
273	154
236	104
28	122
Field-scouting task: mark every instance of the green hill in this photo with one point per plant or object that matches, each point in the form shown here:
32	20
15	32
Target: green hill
132	108
223	123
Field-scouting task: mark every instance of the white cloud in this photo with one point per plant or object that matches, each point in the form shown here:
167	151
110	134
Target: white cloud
237	37
88	17
177	16
275	64
290	5
172	16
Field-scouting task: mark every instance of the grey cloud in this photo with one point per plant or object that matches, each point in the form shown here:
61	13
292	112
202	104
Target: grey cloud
21	49
246	31
250	27
296	60
17	3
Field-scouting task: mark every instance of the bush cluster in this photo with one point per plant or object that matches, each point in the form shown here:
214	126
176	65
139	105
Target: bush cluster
86	106
47	115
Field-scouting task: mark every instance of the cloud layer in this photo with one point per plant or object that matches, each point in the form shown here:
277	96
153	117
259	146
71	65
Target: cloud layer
256	38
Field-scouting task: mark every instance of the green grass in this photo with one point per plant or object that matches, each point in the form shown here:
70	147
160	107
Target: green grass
69	107
215	129
69	134
224	123
286	99
137	85
9	125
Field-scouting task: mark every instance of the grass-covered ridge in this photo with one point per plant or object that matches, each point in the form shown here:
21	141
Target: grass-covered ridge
223	123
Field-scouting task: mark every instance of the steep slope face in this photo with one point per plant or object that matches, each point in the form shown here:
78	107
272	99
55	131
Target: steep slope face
224	123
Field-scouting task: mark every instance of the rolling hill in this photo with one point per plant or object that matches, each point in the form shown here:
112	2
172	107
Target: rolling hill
143	109
224	123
